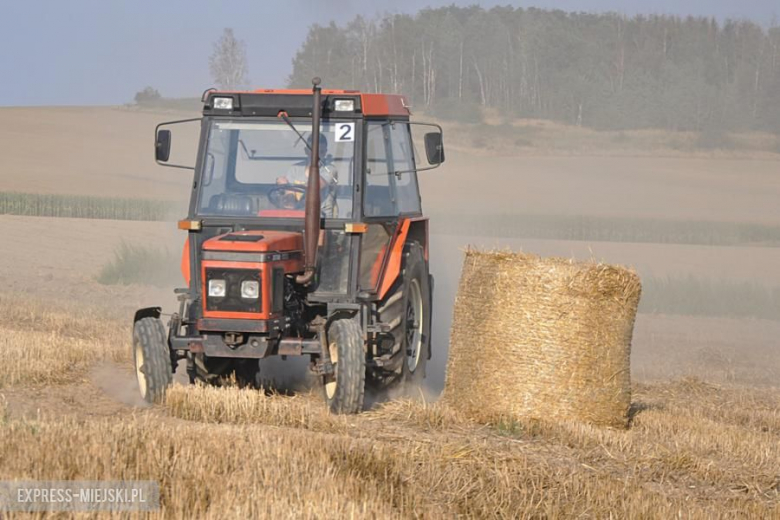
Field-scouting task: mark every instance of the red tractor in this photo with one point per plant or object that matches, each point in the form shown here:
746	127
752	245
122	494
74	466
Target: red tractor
305	237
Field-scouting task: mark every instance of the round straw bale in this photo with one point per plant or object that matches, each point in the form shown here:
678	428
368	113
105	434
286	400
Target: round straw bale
542	338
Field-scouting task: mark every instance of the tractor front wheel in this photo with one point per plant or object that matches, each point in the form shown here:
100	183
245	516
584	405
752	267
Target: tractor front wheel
152	359
345	388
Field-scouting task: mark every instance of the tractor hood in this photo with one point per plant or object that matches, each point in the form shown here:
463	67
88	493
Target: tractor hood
256	242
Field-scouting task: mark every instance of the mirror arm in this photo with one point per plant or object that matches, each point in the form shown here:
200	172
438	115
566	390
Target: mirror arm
176	166
415	170
157	128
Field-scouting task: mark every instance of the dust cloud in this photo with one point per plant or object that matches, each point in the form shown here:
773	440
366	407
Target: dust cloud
707	309
117	383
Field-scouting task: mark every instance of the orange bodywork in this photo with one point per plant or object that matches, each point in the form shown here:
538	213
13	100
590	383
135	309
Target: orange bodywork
185	261
395	258
376	267
384	105
282	213
270	242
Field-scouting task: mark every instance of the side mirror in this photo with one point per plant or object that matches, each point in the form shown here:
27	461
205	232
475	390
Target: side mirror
434	148
162	143
162	146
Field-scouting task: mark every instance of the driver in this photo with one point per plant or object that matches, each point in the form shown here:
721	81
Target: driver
298	174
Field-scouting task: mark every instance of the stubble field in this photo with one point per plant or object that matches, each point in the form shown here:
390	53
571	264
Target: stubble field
705	434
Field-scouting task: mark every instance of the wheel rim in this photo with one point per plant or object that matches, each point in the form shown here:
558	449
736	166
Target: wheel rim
331	381
139	369
414	325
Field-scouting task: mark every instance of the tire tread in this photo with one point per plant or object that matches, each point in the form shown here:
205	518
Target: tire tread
150	333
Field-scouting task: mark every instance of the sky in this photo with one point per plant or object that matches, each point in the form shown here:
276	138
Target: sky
98	52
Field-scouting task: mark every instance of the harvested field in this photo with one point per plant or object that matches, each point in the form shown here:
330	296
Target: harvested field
681	188
42	345
704	433
232	405
62	259
695	449
36	141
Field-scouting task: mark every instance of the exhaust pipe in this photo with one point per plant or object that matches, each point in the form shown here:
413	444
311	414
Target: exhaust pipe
311	229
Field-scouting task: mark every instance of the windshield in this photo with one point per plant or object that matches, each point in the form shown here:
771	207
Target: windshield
260	168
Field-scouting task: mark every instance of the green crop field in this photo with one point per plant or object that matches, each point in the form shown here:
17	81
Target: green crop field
608	229
80	206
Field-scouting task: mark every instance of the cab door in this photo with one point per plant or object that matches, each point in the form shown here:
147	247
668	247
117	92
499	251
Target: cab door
390	194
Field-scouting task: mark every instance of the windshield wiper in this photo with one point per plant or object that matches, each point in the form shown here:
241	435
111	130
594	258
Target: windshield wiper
286	119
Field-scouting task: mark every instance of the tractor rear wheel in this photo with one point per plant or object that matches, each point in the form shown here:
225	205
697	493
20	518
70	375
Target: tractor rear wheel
152	359
345	388
407	310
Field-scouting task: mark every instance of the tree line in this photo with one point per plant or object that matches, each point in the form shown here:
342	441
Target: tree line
606	71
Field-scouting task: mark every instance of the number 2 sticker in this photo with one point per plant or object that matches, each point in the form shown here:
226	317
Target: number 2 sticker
345	132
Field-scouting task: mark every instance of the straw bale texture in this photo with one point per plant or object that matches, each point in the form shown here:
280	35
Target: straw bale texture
542	338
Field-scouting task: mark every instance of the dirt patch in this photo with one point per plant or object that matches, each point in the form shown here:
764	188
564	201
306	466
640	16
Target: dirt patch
85	400
56	258
118	383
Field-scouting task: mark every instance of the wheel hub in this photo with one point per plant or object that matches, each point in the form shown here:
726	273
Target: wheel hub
331	383
140	369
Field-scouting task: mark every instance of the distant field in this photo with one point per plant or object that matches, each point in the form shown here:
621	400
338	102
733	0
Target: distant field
520	137
692	296
107	151
81	206
97	151
656	188
548	227
608	229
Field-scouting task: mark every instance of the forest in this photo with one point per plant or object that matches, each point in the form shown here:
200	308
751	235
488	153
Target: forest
604	71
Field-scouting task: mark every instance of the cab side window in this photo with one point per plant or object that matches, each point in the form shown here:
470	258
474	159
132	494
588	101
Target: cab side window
391	185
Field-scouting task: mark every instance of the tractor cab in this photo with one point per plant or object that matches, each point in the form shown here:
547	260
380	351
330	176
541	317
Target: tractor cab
305	220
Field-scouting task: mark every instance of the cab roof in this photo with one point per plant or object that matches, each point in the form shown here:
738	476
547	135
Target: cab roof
298	103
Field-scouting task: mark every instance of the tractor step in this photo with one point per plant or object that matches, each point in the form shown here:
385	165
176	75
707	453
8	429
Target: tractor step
390	360
379	328
322	369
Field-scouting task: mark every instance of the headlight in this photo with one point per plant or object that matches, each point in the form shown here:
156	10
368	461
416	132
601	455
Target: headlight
250	289
223	103
217	288
344	105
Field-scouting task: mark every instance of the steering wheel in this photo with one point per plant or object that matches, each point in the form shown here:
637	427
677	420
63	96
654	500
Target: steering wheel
285	196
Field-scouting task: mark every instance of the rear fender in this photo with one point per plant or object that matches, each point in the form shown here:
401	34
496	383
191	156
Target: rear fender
408	230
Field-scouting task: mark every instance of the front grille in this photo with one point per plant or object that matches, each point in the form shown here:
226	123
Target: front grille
232	301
